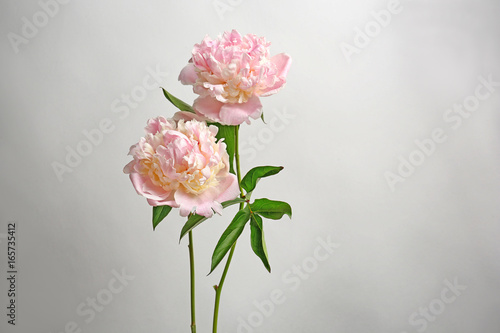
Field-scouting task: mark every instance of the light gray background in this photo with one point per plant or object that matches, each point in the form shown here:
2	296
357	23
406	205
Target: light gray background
348	124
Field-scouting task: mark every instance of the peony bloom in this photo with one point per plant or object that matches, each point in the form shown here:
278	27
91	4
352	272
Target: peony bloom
230	73
181	165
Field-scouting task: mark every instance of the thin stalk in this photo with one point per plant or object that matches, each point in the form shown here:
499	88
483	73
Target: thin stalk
191	269
237	156
218	288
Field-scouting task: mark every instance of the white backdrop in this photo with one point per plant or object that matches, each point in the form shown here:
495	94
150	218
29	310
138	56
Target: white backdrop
388	129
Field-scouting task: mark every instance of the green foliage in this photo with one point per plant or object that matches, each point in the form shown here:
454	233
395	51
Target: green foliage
271	209
183	106
159	213
228	133
254	175
257	240
230	236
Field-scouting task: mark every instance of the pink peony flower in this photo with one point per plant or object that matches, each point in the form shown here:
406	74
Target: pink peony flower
180	164
230	73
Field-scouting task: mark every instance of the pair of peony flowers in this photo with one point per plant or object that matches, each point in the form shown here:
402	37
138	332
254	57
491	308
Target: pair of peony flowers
179	162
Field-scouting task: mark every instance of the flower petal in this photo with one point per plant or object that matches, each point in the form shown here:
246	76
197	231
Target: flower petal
143	186
237	113
208	106
129	168
283	62
201	204
169	202
210	200
229	188
188	75
187	116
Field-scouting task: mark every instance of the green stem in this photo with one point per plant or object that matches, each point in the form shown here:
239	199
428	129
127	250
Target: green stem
218	288
237	156
191	269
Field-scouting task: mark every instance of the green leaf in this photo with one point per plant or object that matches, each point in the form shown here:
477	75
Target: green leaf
228	133
230	236
253	176
192	222
183	106
232	202
257	240
271	209
262	117
159	213
196	219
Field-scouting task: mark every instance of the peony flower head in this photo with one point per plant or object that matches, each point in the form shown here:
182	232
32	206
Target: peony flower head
230	73
180	164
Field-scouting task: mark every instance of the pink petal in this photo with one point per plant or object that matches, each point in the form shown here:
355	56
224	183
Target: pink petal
229	188
129	168
156	125
143	186
237	113
208	106
283	62
188	75
200	203
169	202
187	116
210	200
